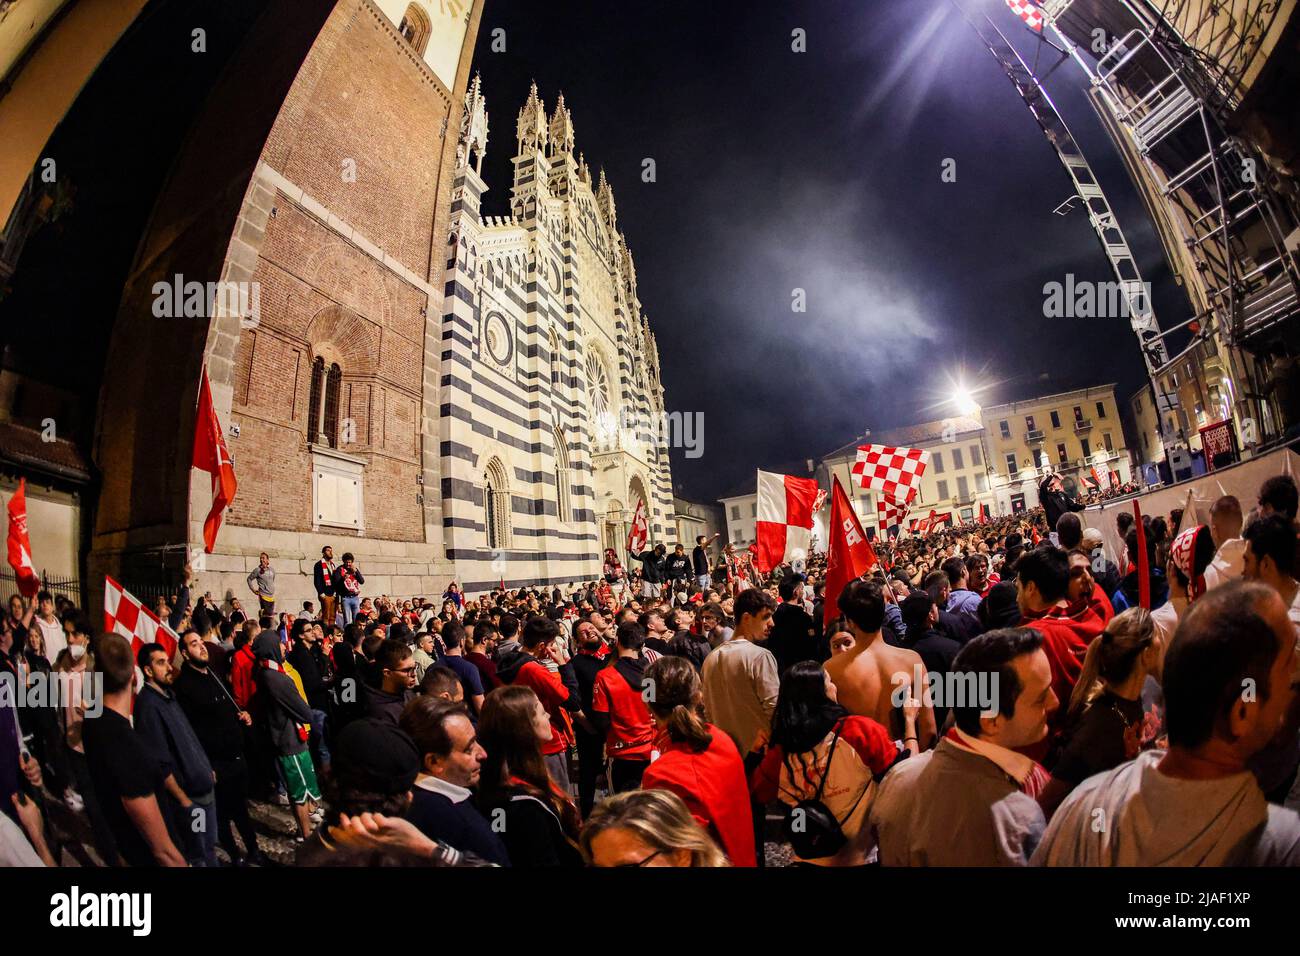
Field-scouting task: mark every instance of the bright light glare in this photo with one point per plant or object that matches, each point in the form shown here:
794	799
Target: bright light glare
964	402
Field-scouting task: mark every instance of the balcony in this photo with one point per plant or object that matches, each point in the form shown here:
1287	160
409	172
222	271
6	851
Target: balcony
1035	436
1082	425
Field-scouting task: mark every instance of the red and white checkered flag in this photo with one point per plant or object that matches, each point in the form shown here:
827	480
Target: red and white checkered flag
894	471
125	615
1028	12
889	513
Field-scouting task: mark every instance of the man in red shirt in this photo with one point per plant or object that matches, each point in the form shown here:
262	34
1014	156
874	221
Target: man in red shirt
619	709
1042	583
558	692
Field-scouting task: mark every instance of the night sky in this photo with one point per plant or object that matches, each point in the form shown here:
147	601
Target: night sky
822	171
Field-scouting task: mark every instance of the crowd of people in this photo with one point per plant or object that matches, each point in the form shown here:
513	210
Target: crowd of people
999	693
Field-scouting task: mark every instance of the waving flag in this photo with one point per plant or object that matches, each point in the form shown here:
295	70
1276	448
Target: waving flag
850	554
639	534
210	455
889	513
125	615
785	517
20	543
1029	12
894	471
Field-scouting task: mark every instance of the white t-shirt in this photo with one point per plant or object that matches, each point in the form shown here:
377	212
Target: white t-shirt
55	639
1227	563
15	849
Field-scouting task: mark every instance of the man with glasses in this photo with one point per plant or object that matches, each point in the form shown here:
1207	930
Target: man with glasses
395	667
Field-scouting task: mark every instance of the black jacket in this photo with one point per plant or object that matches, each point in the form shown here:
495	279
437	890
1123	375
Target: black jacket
794	636
652	567
323	575
382	705
211	711
313	681
678	567
1055	504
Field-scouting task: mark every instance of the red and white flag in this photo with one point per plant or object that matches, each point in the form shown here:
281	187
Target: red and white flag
210	455
1029	12
820	500
894	471
889	513
125	615
20	543
639	533
849	555
784	519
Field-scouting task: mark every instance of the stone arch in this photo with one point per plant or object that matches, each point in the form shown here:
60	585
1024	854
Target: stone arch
339	334
415	27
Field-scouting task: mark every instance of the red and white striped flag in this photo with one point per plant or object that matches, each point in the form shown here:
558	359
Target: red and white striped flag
894	471
784	518
1029	12
639	533
125	615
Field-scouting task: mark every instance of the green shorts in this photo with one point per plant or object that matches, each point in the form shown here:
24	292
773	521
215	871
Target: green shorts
300	777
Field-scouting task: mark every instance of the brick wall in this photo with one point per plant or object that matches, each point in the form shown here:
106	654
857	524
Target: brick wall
344	272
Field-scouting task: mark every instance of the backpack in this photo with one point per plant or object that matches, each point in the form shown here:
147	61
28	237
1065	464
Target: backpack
811	828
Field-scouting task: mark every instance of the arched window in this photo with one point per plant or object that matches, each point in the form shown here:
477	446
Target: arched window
496	505
562	503
554	346
323	416
415	27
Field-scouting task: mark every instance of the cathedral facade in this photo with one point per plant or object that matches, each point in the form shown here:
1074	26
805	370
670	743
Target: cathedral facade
552	422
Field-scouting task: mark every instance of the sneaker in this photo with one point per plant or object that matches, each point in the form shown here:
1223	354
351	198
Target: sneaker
316	816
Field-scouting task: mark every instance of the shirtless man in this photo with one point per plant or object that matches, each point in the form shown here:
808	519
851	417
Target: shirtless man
867	674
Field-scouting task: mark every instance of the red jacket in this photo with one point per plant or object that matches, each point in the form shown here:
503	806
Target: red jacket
242	667
713	786
553	694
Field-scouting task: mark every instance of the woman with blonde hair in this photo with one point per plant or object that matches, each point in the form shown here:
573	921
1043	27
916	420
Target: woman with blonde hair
697	761
647	828
1103	725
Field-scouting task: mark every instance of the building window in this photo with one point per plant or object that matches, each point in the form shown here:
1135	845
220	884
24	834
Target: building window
1105	439
1005	428
1038	458
735	512
1011	463
496	505
1029	422
753	509
323	415
554	345
1060	453
937	458
963	488
981	482
415	28
1078	413
1087	447
957	459
736	536
943	490
1101	409
1056	419
562	504
975	455
1137	406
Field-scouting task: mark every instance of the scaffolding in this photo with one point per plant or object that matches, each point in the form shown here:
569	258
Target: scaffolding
1137	299
1169	75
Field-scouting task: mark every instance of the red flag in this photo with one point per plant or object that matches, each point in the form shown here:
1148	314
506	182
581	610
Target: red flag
20	544
1143	564
210	455
850	554
639	533
1034	535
